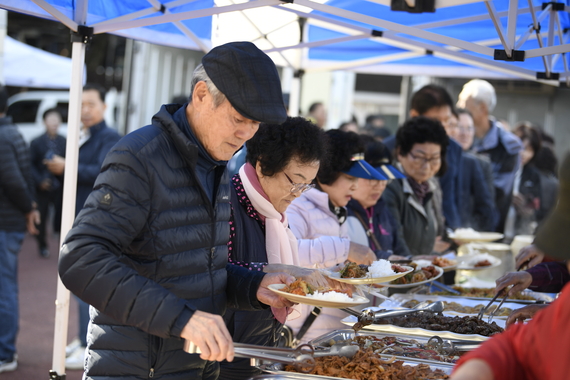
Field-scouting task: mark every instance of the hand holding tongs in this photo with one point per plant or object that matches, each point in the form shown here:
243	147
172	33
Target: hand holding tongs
492	314
300	357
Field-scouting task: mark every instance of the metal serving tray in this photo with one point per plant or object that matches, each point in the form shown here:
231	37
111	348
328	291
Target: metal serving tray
343	335
278	369
397	300
538	296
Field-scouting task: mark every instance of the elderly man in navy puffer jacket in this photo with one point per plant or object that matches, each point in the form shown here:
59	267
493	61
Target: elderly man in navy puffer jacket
149	249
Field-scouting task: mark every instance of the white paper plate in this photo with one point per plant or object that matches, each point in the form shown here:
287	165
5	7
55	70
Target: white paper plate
476	237
368	279
357	300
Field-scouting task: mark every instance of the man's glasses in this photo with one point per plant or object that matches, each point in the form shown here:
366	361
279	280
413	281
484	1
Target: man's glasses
299	187
422	160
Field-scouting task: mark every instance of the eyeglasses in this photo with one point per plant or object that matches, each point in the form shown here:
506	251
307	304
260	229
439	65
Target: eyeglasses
422	160
298	187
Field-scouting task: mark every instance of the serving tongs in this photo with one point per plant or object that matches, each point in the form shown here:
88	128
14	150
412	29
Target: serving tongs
367	317
302	357
492	314
449	347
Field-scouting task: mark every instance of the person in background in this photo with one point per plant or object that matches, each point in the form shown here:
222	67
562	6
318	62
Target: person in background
282	161
502	147
537	350
421	147
95	140
349	126
369	220
477	204
317	219
49	187
435	102
375	126
318	114
149	249
18	213
546	163
524	213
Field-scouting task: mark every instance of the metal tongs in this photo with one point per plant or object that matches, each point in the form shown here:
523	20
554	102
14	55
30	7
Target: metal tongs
492	314
301	357
449	347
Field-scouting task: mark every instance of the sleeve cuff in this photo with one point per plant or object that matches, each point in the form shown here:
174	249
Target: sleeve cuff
181	321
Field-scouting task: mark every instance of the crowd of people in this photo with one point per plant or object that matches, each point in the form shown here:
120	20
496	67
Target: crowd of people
169	246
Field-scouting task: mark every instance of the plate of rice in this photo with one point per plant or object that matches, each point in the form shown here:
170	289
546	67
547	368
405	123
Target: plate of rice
468	235
379	271
315	297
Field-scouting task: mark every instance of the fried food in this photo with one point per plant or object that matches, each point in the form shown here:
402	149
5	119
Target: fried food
418	275
482	263
299	287
442	262
366	365
482	293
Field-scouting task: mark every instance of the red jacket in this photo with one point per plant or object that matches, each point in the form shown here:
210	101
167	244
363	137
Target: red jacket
539	350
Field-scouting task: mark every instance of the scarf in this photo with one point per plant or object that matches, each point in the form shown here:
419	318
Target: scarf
280	243
420	189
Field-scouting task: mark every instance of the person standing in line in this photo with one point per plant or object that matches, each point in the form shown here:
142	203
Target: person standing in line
318	114
49	187
501	146
149	248
18	213
95	140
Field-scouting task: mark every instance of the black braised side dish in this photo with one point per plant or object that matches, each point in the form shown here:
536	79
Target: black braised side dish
435	322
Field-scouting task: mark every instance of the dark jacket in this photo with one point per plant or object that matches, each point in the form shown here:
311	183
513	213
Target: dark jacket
450	181
477	206
147	250
42	148
247	242
418	222
16	184
91	156
387	230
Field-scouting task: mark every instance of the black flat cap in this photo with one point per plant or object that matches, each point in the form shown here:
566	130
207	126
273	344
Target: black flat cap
552	237
249	79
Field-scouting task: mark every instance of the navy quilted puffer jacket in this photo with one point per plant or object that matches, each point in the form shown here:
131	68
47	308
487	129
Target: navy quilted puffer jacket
147	250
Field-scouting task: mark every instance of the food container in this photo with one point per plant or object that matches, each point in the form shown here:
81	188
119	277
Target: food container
346	335
498	250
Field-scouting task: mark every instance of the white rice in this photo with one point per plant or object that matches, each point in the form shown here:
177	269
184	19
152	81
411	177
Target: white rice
380	268
331	296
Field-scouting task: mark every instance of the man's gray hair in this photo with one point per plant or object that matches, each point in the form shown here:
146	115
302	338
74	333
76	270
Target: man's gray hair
481	91
199	75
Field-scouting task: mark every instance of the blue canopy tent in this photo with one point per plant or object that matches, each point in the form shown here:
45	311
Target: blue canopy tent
496	38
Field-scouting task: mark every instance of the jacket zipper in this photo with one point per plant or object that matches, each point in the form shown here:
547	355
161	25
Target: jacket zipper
154	357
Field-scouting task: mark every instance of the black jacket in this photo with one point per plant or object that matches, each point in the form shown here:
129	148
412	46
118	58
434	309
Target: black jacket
40	148
477	206
147	250
16	184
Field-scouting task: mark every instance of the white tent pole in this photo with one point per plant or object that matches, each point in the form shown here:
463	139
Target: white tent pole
530	53
399	28
498	27
551	27
69	194
512	23
319	43
56	13
182	16
536	21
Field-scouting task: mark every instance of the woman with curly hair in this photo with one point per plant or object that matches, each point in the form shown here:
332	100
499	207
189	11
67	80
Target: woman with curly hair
415	201
281	163
317	220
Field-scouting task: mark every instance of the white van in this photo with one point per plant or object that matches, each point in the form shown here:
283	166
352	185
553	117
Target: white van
27	110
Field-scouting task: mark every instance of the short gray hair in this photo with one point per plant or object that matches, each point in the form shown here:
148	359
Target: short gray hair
481	91
200	75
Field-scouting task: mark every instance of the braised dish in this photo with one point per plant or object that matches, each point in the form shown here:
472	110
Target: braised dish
435	322
366	365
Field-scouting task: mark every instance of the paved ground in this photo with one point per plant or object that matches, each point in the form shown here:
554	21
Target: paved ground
38	282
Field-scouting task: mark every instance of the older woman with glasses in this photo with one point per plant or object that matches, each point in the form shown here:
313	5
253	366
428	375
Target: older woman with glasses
369	220
415	201
317	220
281	163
